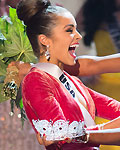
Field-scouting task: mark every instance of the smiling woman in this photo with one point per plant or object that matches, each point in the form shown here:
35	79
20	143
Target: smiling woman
58	105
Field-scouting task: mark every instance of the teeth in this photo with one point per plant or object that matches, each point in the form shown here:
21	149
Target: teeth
76	45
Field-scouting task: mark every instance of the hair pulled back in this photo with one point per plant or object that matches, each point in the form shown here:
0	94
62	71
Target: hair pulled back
39	18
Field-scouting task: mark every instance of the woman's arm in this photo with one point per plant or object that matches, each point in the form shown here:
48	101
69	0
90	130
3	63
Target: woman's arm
109	135
106	107
85	66
92	65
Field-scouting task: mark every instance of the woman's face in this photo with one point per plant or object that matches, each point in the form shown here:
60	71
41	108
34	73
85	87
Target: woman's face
64	40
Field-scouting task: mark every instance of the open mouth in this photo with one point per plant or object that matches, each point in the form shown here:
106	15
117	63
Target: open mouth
72	50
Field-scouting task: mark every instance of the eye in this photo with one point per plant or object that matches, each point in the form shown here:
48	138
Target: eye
69	30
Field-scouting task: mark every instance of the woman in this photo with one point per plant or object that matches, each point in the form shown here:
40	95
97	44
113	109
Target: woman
58	105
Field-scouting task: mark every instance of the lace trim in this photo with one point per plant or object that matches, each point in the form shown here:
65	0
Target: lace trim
60	129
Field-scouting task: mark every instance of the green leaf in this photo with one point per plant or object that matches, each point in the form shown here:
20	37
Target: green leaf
29	56
2	69
16	47
1	56
19	47
2	37
2	97
21	104
2	72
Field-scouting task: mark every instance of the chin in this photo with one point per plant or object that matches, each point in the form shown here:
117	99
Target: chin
72	63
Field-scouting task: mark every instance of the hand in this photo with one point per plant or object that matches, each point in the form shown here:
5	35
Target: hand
43	141
81	139
22	67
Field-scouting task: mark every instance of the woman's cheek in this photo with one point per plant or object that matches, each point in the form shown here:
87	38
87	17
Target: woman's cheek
72	35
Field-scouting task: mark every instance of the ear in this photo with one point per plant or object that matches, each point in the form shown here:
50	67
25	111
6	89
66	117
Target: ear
43	39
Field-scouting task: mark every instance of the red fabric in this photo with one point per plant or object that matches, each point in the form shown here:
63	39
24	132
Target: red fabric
106	107
93	128
44	97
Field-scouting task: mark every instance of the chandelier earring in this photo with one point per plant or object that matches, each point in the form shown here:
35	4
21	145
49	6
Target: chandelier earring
47	53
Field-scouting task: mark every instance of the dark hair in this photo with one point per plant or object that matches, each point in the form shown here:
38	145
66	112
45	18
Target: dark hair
39	18
96	12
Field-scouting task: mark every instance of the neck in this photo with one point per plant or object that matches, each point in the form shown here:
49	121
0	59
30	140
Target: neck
44	60
60	65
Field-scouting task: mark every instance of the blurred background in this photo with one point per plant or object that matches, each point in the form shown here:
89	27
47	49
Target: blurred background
98	22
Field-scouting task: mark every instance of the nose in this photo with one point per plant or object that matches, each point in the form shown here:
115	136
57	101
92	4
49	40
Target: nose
78	35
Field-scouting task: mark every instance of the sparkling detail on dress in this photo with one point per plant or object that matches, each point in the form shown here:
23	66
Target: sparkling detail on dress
60	129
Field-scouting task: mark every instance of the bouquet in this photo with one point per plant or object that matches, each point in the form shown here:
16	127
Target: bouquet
14	46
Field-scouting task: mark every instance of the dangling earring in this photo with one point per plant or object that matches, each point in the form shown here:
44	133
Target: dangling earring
47	53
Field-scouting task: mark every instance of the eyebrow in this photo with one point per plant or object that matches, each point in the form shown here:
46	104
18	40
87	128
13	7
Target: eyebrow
69	25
